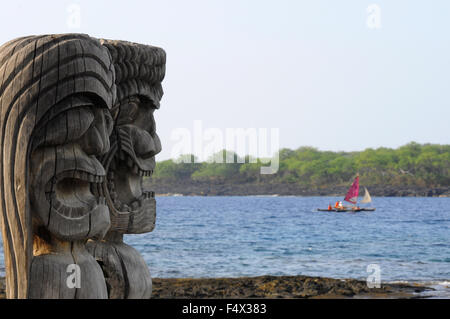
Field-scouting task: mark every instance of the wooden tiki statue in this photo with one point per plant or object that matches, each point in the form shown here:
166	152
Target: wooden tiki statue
139	70
56	94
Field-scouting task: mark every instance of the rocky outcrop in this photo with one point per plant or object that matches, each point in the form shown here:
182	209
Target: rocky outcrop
272	287
277	287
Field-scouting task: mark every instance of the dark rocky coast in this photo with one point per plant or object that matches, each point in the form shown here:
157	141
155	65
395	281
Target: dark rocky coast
278	287
2	288
272	287
215	188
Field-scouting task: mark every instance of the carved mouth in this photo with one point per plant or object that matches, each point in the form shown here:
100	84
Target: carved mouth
124	184
72	193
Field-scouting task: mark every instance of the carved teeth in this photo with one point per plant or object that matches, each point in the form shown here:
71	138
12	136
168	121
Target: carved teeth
94	189
84	176
66	211
56	204
146	195
76	205
143	173
77	211
123	159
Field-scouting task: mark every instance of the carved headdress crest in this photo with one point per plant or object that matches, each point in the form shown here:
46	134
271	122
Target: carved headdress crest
140	69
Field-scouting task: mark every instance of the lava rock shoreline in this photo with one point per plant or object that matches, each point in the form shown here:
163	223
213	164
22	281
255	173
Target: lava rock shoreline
293	287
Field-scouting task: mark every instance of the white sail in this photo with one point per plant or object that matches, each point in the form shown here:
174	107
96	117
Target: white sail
366	199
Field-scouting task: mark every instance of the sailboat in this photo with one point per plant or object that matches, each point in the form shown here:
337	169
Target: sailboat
366	199
352	197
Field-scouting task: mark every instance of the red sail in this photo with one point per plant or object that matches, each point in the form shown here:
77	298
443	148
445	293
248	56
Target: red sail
352	195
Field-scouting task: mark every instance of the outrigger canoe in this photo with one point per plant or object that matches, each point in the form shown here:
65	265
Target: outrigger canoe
347	210
352	197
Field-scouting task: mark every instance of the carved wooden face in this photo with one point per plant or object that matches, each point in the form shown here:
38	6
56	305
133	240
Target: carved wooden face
133	210
65	172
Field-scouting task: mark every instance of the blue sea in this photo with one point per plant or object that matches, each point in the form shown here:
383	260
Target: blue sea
408	238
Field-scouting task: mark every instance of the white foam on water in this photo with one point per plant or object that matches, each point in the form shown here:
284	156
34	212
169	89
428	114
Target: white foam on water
441	290
399	282
444	283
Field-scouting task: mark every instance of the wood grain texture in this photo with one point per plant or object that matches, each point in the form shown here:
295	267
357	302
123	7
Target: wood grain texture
44	81
140	70
126	273
77	135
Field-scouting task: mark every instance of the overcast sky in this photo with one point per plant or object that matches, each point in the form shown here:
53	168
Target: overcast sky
313	69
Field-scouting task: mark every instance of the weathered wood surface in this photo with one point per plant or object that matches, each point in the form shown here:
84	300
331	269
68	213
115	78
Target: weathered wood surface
126	273
58	104
134	144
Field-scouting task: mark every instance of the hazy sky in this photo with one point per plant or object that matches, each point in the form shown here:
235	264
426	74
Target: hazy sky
313	69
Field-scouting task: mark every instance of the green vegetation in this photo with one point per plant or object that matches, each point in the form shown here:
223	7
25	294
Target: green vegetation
426	165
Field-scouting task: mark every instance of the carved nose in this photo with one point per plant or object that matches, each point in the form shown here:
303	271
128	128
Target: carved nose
145	144
96	139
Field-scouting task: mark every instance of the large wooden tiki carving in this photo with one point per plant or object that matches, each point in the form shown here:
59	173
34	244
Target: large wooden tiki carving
65	126
134	144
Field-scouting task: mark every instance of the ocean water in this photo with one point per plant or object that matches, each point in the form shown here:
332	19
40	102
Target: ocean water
408	238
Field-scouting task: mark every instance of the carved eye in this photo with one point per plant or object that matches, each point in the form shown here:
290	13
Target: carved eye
67	126
128	113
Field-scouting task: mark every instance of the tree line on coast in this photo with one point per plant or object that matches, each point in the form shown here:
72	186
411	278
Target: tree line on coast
421	165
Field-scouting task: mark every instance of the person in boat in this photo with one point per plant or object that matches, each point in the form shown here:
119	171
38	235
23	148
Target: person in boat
339	205
329	207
